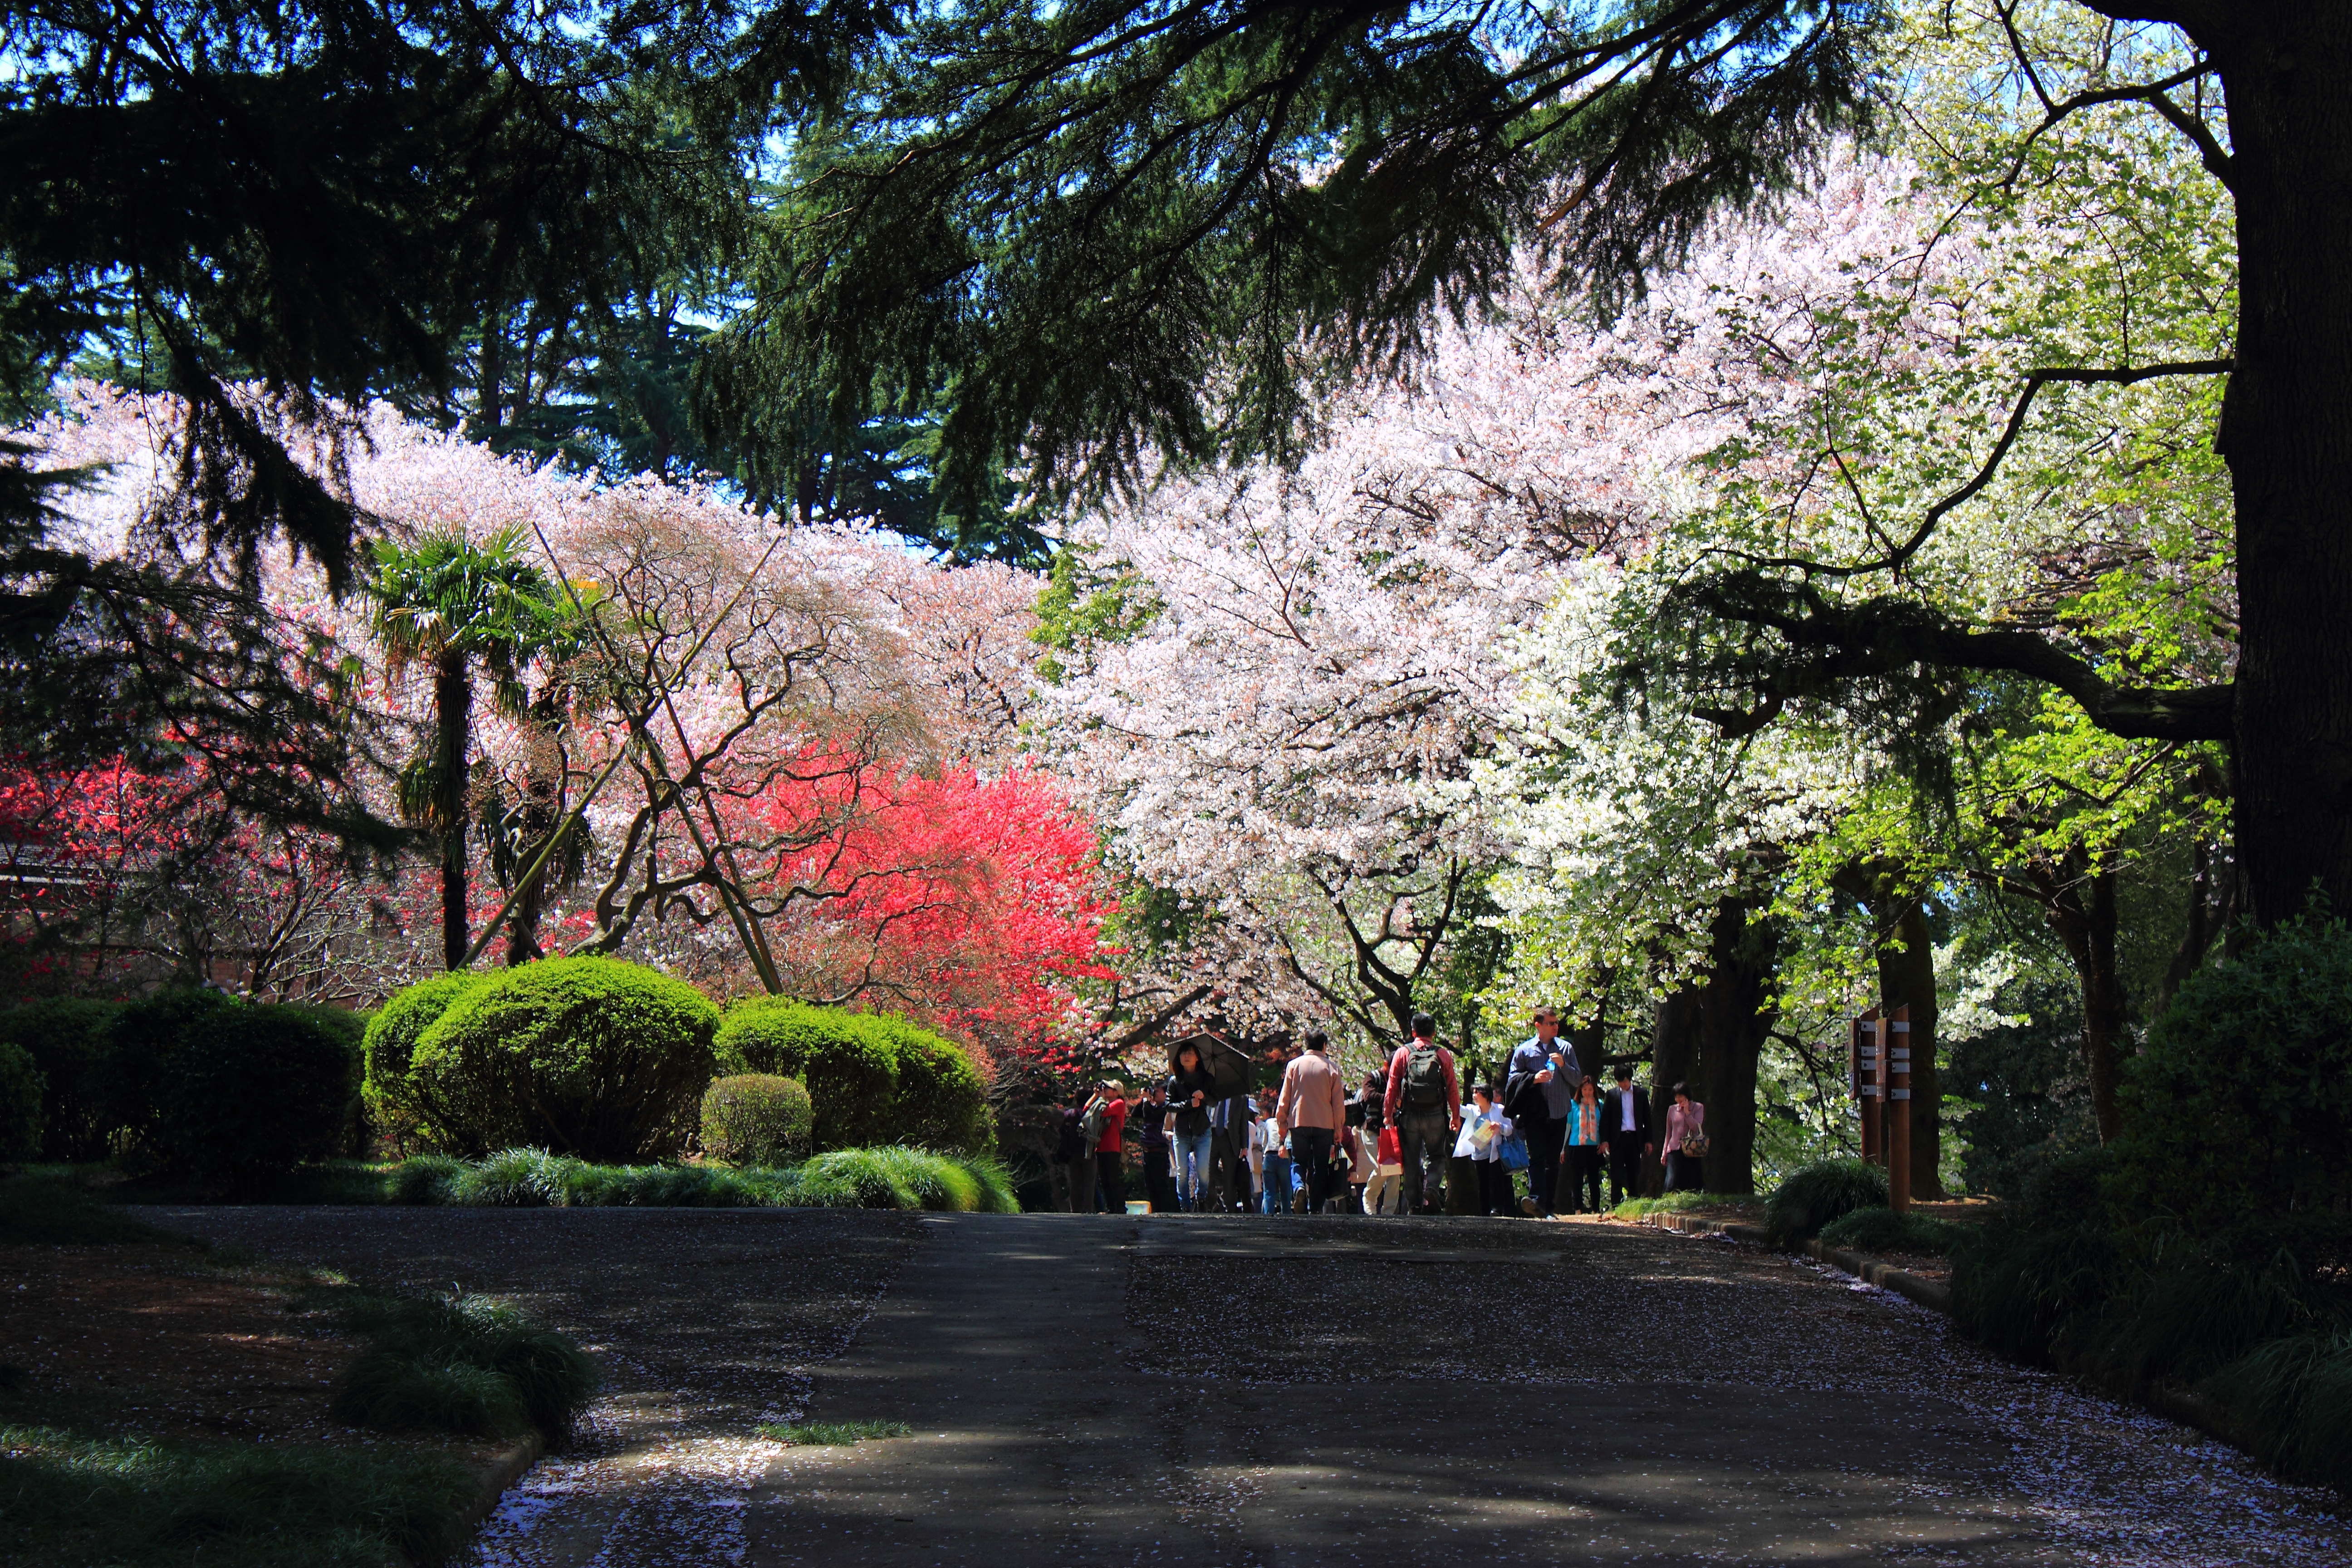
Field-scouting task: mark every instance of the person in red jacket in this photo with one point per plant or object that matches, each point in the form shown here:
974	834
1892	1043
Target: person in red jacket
1110	1174
1424	1105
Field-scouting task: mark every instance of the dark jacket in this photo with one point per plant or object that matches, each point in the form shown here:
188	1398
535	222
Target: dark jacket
1073	1145
1182	1086
1147	1123
1612	1115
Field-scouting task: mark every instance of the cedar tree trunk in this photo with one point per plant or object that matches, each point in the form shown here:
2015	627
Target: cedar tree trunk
1735	1014
2287	433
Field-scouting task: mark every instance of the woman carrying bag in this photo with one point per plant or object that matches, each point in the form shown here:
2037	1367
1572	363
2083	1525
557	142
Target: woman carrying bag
1685	1142
1583	1147
1484	1130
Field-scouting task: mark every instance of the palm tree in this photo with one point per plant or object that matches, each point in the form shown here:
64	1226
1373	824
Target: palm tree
449	603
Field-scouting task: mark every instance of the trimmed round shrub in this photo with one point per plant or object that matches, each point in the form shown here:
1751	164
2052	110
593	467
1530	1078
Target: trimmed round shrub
389	1042
941	1099
874	1079
249	1094
66	1038
756	1118
588	1057
20	1103
1820	1193
2241	1100
851	1070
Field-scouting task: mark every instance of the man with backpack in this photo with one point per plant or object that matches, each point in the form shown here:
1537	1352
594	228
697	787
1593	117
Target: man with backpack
1424	1105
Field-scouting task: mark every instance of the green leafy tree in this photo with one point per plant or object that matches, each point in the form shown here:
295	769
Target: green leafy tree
449	603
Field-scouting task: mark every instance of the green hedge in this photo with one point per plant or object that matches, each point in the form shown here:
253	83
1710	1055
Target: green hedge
250	1093
66	1038
389	1043
599	1058
873	1080
756	1118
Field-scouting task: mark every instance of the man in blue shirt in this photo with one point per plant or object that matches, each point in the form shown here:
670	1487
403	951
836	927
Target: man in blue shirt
1539	1086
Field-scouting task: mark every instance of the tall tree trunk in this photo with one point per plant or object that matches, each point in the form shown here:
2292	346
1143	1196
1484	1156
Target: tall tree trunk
543	800
1673	1058
2287	433
453	712
2084	920
1735	1014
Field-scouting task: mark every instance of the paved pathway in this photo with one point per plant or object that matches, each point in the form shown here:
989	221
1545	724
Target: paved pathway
1286	1392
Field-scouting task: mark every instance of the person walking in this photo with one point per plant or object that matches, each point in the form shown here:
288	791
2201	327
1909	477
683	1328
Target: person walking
1274	1159
1581	1147
1384	1194
1539	1086
1358	1146
1685	1142
1625	1129
1485	1126
1311	1112
1190	1090
1077	1151
1233	1154
1106	1119
1151	1118
1424	1105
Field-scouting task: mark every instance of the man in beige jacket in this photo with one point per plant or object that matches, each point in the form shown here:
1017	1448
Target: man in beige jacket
1312	1109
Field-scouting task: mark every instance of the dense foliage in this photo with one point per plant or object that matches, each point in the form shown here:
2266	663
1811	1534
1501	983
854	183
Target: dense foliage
592	1056
66	1038
249	1093
2240	1103
1820	1192
21	1103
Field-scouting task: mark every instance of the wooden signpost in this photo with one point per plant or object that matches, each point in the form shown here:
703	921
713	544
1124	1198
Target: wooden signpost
1898	1110
1867	1064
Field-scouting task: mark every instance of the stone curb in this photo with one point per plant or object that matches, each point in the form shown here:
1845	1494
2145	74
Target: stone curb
2188	1408
492	1476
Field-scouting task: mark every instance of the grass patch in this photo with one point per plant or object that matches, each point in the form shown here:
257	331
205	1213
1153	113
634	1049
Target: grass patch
834	1434
41	1211
1671	1202
80	1502
1884	1230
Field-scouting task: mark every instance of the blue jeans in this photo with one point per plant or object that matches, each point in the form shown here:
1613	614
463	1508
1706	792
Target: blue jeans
1193	1187
1276	1198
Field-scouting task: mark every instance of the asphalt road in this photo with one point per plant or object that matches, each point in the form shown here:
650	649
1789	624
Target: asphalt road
1288	1391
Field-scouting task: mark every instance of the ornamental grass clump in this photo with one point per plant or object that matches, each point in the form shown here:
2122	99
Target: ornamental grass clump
756	1118
1819	1193
590	1056
473	1367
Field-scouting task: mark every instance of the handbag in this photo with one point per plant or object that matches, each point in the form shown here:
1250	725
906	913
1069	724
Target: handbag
1513	1153
1694	1146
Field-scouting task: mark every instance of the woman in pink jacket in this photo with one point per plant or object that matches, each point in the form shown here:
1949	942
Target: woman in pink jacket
1685	1142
